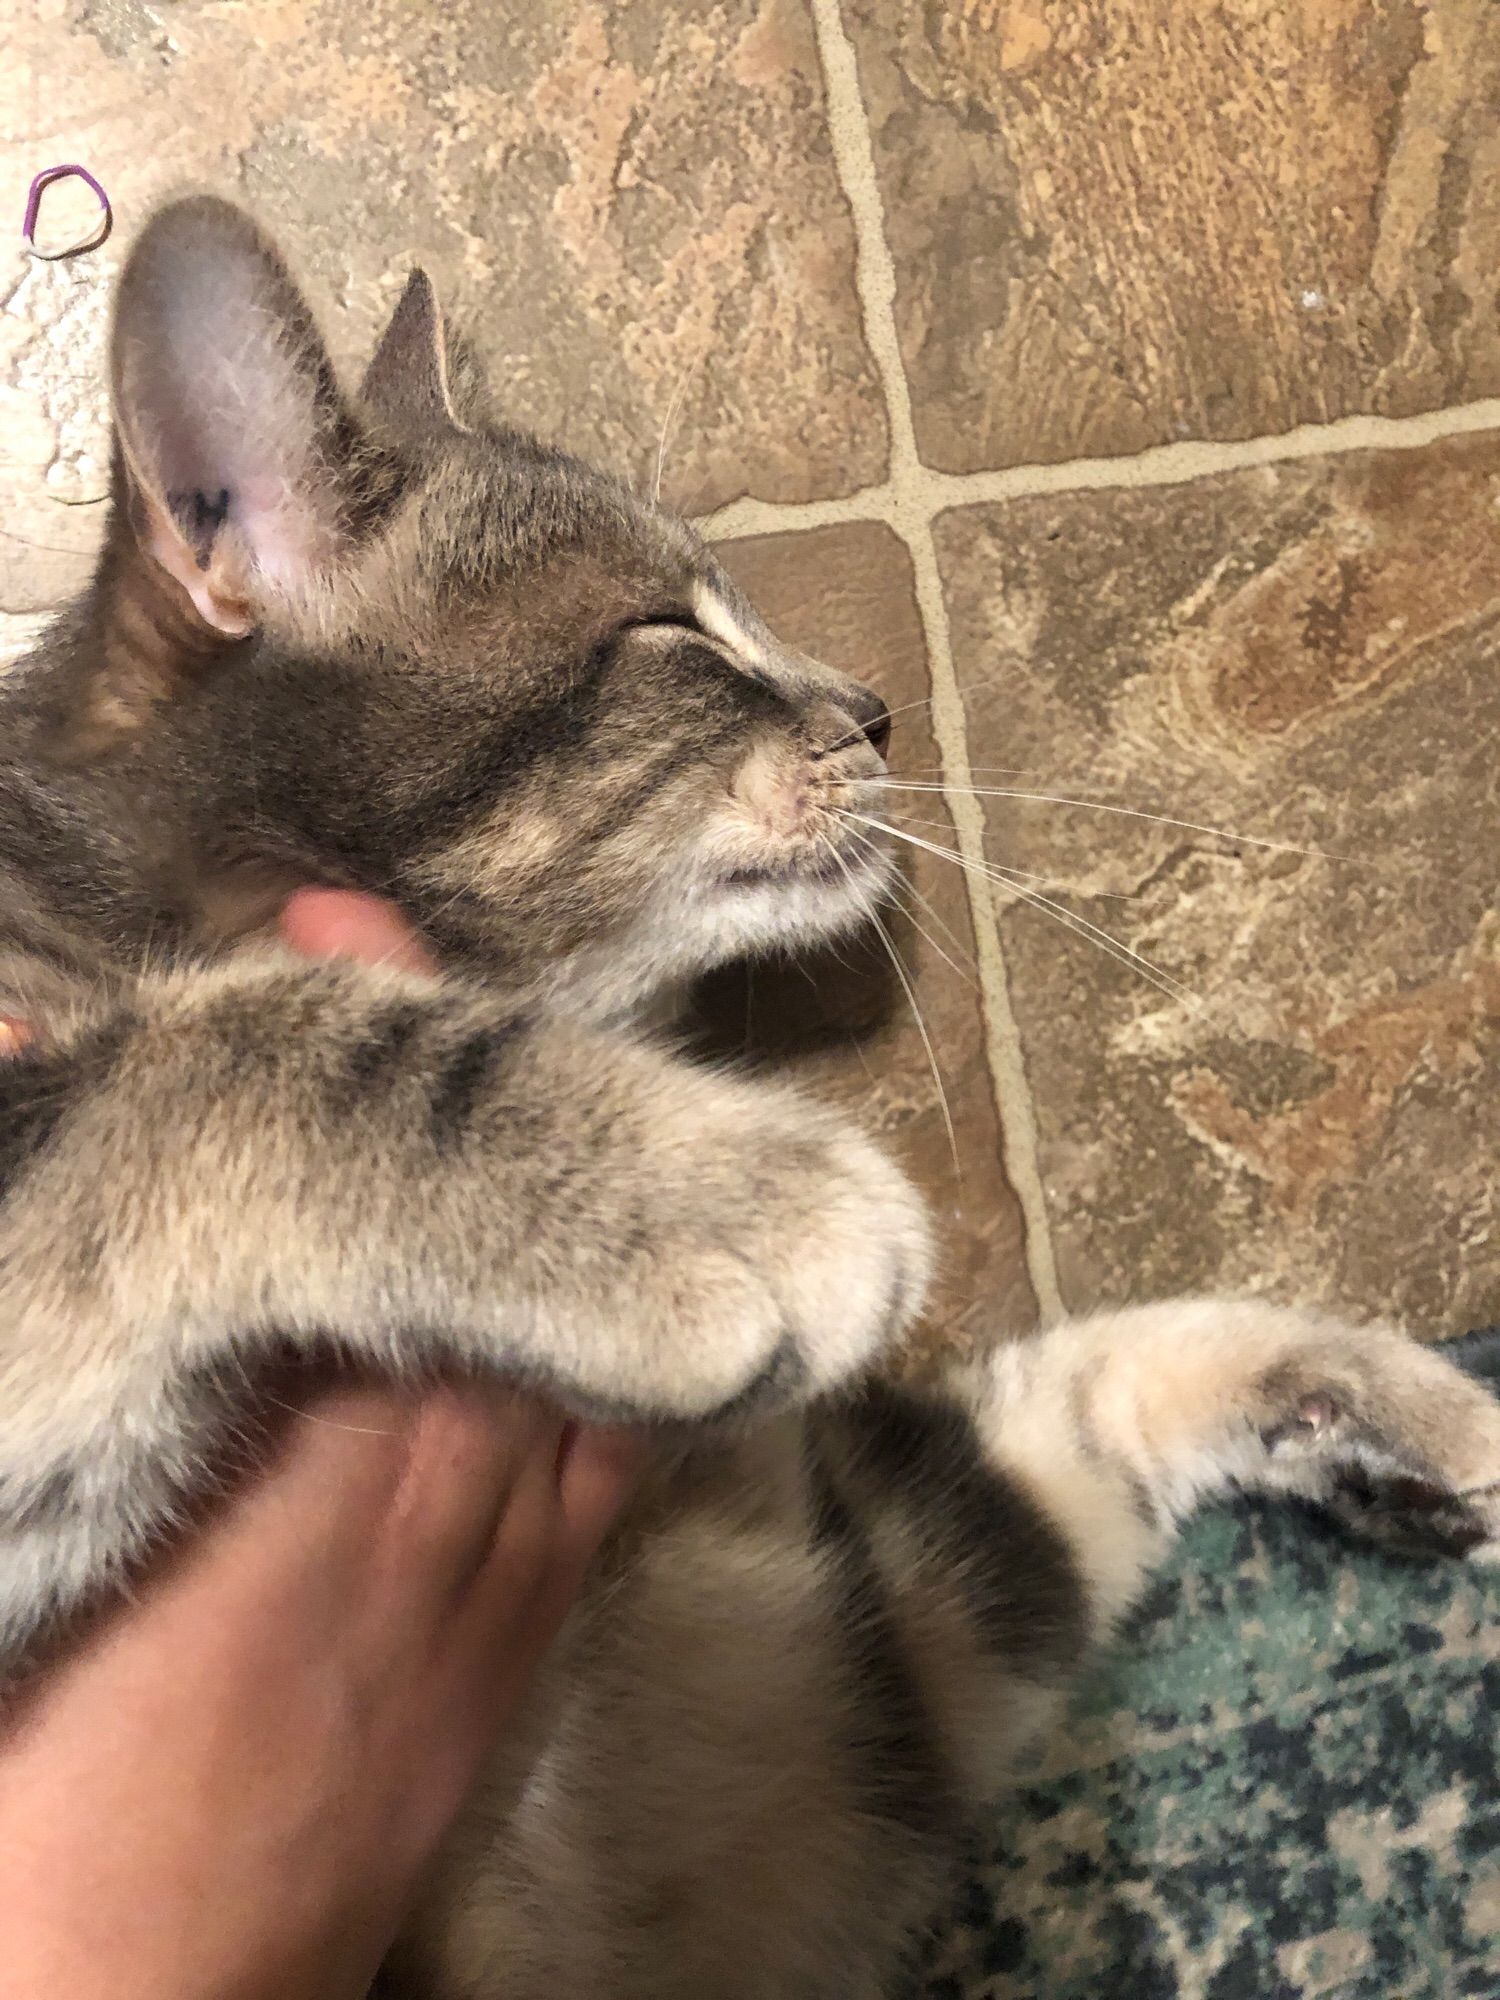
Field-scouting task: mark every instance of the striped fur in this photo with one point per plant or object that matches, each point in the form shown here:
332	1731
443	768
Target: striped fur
388	642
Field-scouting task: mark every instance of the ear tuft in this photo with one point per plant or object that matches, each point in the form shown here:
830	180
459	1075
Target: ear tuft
237	445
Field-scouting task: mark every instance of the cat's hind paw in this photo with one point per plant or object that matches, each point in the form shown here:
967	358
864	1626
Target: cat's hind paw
1392	1438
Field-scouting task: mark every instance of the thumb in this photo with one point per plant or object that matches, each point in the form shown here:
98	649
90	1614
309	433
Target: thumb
344	923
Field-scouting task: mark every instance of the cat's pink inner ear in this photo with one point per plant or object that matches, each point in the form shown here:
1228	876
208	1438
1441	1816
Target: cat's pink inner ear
232	431
213	581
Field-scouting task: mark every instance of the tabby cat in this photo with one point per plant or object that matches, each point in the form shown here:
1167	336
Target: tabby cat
387	641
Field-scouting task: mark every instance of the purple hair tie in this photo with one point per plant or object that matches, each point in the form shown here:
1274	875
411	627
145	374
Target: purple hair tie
38	187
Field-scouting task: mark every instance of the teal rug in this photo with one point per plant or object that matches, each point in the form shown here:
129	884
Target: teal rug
1283	1782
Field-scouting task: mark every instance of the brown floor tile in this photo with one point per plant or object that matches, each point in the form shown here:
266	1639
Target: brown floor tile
845	594
1119	222
631	205
1308	653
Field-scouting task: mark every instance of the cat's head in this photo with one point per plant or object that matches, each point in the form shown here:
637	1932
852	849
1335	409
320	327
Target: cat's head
434	657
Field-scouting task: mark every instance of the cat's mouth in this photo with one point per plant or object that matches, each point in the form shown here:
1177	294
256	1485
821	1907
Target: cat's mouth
856	866
818	868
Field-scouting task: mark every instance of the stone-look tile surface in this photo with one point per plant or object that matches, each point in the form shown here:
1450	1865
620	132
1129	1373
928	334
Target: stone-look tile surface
634	207
1308	653
1119	222
843	1024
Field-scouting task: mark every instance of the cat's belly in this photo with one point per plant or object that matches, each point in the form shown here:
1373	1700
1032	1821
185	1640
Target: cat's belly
693	1825
772	1897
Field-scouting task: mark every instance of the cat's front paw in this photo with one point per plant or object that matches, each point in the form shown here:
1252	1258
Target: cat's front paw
786	1253
845	1243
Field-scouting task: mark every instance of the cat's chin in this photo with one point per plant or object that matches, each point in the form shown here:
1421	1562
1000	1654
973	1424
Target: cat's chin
747	914
808	901
788	913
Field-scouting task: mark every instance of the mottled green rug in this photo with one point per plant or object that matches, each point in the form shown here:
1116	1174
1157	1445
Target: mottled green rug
1283	1782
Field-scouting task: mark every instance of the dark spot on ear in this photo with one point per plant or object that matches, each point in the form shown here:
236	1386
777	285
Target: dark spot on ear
200	519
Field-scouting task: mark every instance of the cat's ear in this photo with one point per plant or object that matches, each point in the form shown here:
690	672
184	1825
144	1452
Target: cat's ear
423	375
237	447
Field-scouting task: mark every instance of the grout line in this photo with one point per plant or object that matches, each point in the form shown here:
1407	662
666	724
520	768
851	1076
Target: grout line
738	519
1158	465
1018	1127
909	509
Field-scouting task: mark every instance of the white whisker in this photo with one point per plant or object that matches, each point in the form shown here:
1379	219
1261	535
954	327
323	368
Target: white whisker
902	708
1014	881
922	701
1126	812
900	970
921	930
935	774
952	854
1166	982
905	882
946	928
666	430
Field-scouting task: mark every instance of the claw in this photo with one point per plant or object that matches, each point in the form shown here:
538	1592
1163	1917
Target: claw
1314	1416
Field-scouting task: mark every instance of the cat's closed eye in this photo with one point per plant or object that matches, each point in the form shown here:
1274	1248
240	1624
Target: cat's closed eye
683	620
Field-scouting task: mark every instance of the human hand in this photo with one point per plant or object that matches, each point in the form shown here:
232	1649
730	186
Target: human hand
230	1789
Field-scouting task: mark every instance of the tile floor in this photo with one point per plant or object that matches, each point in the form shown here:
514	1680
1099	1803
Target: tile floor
1118	382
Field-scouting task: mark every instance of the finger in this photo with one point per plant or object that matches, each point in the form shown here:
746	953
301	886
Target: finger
329	1479
598	1469
518	1598
342	923
562	1506
473	1455
299	1534
419	1477
378	1504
